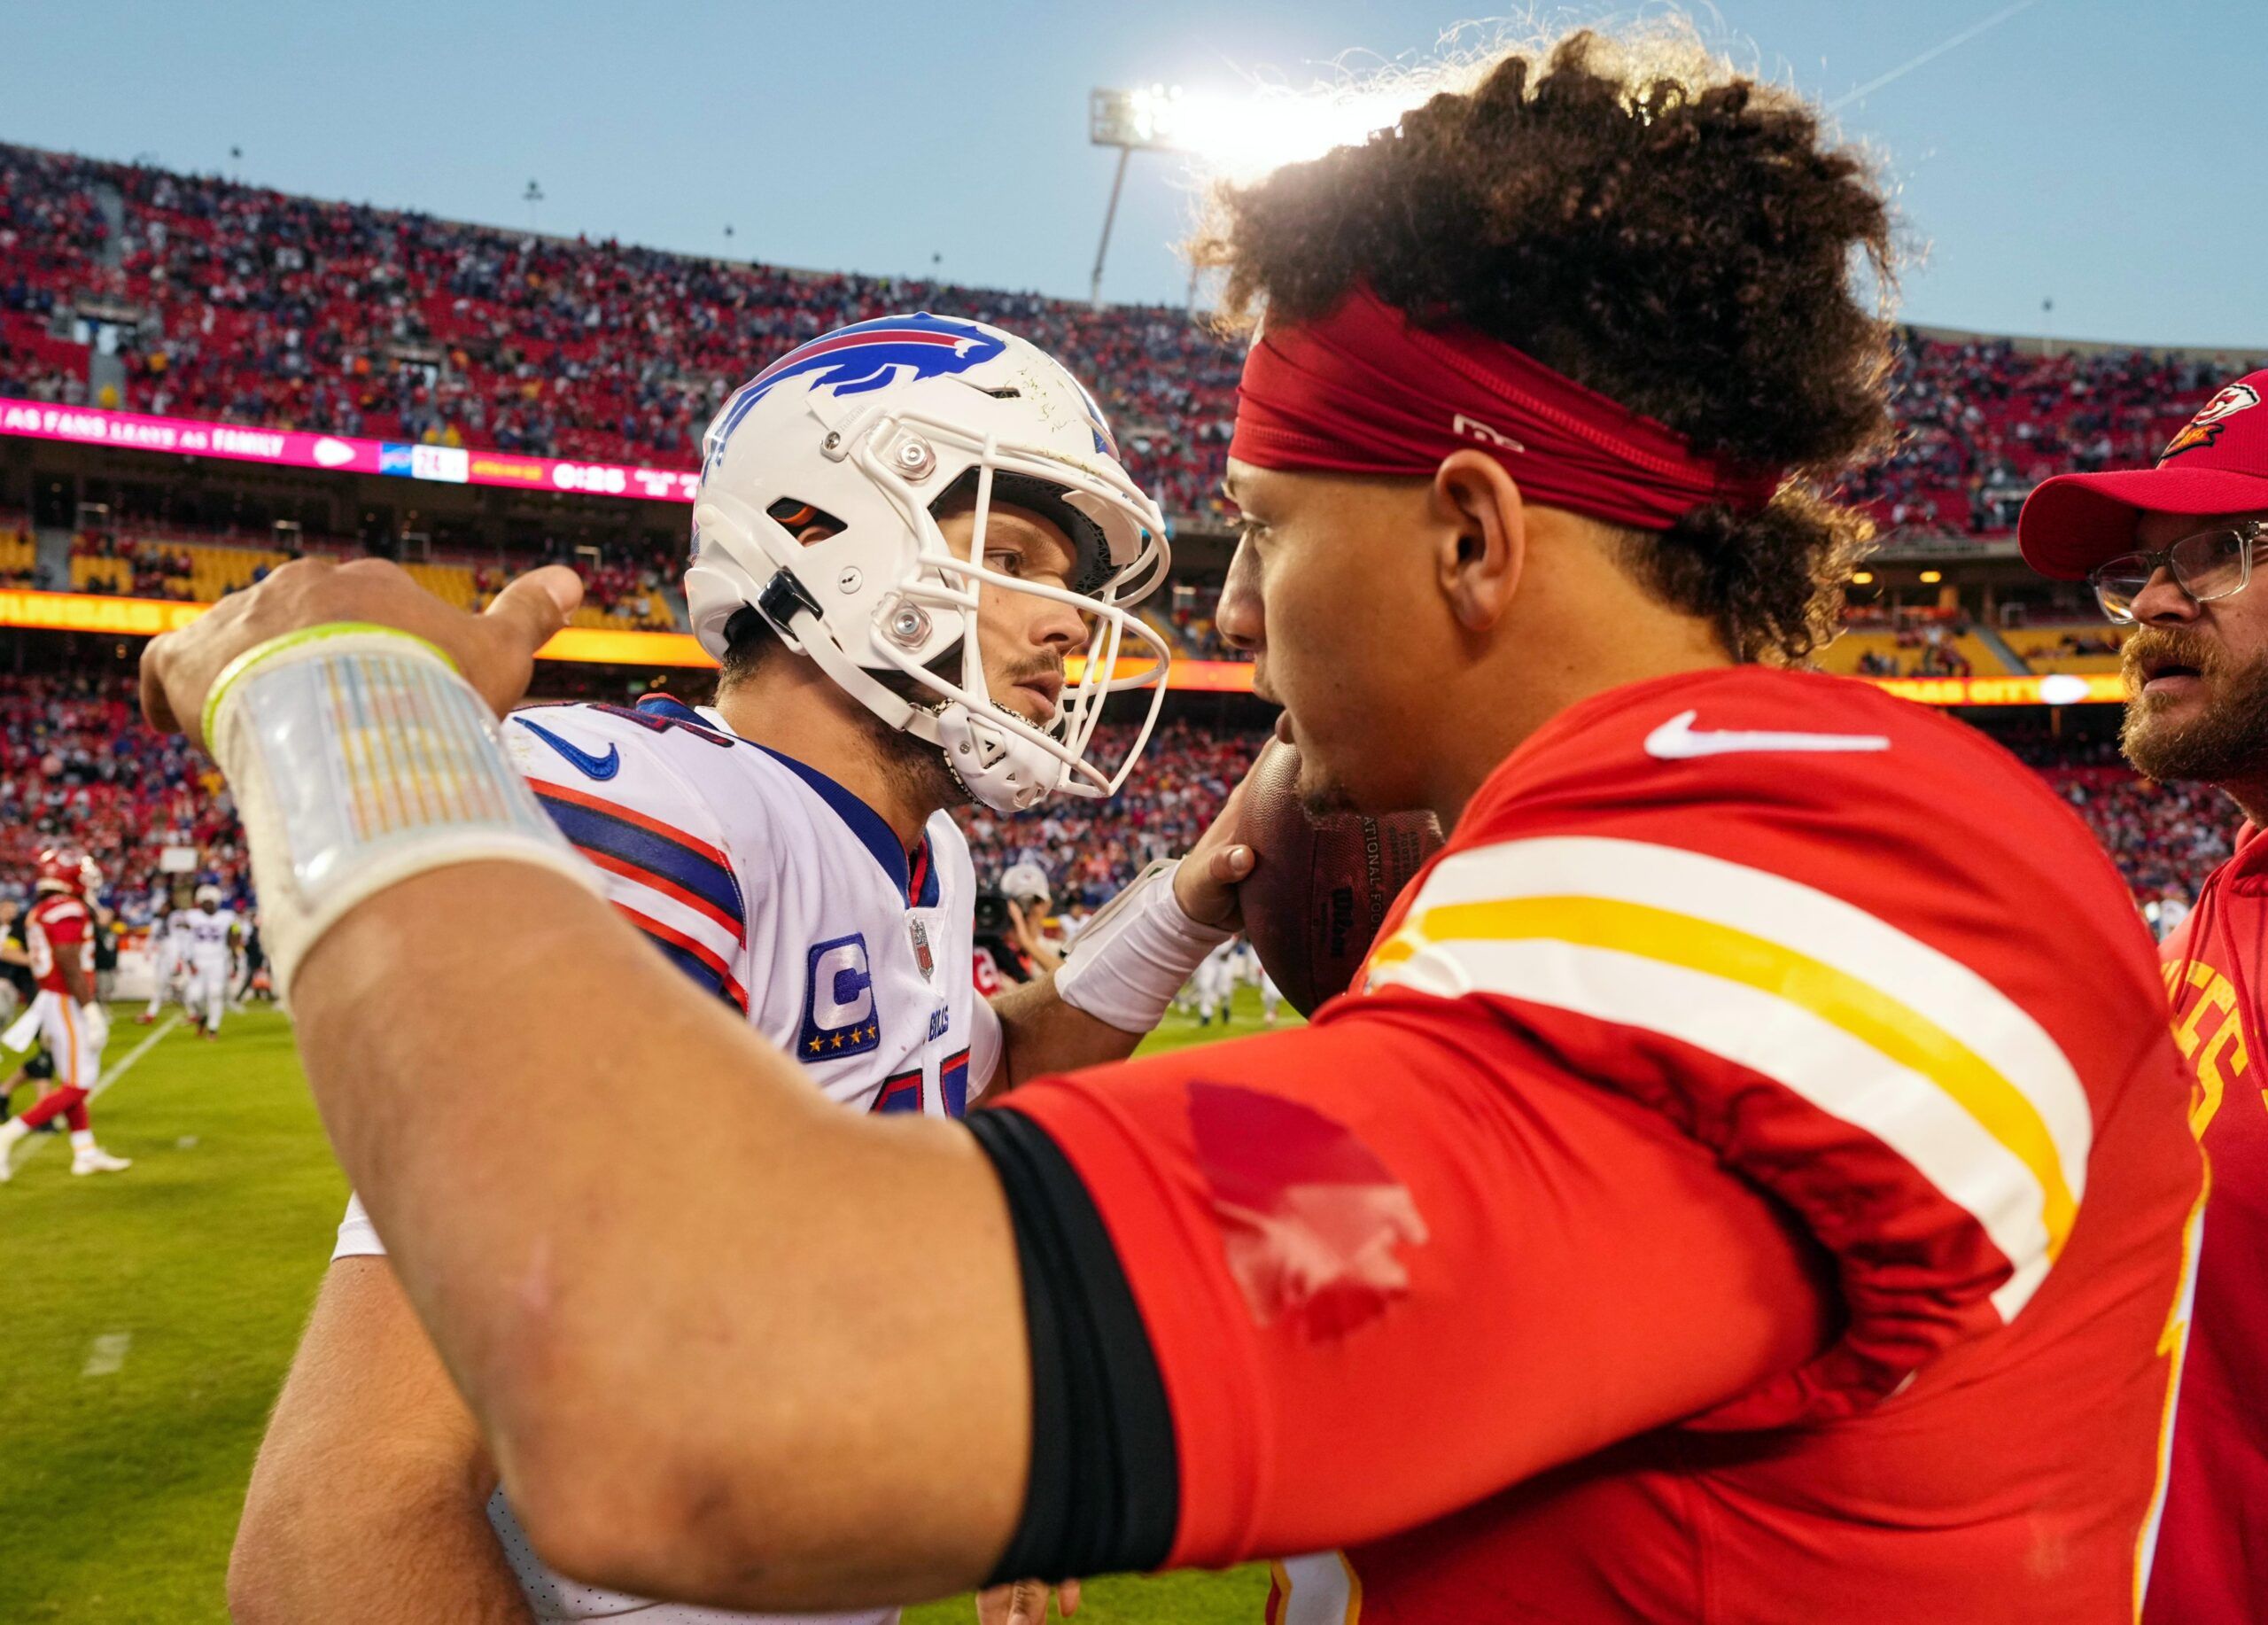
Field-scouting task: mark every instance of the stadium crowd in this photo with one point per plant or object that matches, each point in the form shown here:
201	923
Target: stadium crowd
256	306
1089	849
77	765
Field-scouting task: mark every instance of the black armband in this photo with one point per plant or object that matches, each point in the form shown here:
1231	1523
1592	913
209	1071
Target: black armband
1104	1492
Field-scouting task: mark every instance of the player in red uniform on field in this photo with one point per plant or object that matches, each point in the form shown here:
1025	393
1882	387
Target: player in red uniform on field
2172	550
59	932
1752	1185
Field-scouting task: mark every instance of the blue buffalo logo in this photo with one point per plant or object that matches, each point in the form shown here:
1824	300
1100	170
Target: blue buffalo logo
865	357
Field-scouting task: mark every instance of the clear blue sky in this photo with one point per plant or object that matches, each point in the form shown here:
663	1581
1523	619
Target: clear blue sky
2103	156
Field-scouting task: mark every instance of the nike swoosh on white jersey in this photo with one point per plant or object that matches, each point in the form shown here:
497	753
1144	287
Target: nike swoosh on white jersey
1677	739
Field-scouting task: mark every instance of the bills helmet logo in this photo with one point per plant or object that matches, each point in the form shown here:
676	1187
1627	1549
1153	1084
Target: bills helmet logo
2205	428
865	357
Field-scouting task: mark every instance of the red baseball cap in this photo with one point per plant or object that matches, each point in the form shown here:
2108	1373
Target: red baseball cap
2218	463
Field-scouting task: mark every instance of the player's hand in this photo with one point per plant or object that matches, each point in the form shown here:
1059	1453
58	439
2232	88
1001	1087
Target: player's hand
495	649
1024	1602
1206	883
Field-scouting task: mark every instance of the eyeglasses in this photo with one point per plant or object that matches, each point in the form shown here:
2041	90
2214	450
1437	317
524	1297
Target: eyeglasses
2208	565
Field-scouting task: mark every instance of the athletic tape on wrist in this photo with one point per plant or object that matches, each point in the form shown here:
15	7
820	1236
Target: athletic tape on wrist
360	757
1128	962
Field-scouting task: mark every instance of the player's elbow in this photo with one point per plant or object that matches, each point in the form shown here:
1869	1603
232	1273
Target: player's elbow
658	1501
645	1514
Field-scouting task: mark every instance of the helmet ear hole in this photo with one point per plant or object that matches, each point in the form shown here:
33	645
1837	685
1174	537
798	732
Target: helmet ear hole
806	522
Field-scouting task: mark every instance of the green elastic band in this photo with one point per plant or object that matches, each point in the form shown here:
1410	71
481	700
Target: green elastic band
236	669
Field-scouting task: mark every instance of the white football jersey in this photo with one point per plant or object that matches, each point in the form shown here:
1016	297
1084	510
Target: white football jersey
209	931
776	890
169	942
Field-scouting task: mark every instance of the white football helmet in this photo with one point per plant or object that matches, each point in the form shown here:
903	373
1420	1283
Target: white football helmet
867	427
1027	882
208	897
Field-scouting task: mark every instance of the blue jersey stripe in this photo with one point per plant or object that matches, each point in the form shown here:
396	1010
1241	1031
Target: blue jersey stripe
701	977
643	849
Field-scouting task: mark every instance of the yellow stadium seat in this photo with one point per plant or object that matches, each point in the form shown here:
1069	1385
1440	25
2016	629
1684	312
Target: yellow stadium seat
1842	656
2041	647
450	583
97	574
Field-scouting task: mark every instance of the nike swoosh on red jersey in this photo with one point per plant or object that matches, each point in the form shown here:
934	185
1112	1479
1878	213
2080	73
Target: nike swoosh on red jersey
1678	740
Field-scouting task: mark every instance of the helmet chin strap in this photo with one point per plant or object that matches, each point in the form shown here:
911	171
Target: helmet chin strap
1003	771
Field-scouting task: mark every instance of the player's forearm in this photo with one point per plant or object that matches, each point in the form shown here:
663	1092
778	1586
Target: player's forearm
78	982
408	1549
1041	1035
371	1484
660	1334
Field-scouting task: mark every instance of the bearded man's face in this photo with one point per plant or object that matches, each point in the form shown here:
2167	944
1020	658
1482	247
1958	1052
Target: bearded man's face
2197	673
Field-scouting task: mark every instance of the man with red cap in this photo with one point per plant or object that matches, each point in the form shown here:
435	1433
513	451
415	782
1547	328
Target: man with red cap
1750	1184
2171	551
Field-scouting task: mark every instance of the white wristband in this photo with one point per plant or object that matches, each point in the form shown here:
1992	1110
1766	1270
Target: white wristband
1128	962
360	757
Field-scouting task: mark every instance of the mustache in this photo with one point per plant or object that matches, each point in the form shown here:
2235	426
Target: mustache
2167	645
1042	668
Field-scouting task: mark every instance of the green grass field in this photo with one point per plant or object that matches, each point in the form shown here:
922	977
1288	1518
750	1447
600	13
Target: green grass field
147	1318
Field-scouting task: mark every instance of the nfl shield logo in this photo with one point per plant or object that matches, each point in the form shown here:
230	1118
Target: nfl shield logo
920	935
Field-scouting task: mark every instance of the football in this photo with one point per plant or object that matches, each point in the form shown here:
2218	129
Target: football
1320	888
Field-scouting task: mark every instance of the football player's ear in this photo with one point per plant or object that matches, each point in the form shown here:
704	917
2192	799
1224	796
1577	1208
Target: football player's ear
1481	529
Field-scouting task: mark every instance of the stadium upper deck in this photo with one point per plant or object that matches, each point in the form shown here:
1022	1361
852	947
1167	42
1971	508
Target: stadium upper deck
192	296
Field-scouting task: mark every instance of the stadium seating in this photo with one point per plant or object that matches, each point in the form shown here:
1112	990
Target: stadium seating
261	307
19	555
2084	647
1932	650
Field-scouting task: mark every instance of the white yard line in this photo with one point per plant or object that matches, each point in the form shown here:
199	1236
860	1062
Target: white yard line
33	1144
107	1355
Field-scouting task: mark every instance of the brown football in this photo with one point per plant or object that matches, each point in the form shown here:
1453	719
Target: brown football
1319	888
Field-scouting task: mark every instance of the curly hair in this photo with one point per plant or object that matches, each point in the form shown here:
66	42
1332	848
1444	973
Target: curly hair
1636	216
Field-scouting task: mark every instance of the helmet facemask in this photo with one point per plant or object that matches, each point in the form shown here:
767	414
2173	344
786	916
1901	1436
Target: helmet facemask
915	608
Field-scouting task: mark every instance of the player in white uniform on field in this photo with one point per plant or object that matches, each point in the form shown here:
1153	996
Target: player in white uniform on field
1215	983
169	962
212	959
836	921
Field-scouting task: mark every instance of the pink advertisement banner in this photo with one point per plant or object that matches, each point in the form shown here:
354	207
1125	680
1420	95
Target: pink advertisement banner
339	454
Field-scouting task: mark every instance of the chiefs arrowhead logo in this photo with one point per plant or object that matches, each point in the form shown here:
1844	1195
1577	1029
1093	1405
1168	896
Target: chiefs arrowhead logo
2205	428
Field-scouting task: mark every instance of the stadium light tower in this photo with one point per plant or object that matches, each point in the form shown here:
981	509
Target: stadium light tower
1133	121
1238	137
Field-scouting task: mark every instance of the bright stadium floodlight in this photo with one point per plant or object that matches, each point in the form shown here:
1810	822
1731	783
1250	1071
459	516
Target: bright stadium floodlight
1132	122
1234	138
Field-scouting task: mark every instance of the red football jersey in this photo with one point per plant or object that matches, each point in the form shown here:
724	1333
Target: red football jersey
1752	1186
58	924
2213	1552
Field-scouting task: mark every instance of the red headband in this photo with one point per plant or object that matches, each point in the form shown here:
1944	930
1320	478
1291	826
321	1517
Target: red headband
1363	391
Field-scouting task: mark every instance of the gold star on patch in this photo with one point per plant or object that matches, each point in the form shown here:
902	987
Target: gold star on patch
815	1046
838	1041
